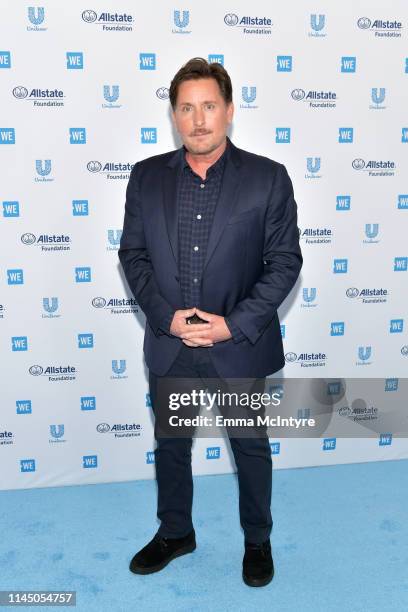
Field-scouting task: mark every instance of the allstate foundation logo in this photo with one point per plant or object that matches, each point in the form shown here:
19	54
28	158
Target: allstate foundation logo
36	16
364	23
248	97
89	16
50	307
377	98
120	430
20	92
163	93
57	433
371	233
114	237
307	360
181	19
313	165
116	305
28	238
404	350
374	167
40	97
118	369
248	24
111	170
359	411
48	242
111	95
309	297
317	25
381	28
368	295
364	354
43	168
298	94
110	22
54	373
316	98
316	235
94	166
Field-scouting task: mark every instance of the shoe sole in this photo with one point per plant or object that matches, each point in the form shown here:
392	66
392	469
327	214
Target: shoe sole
255	582
156	568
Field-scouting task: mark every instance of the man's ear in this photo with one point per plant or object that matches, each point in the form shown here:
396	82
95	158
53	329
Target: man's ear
230	112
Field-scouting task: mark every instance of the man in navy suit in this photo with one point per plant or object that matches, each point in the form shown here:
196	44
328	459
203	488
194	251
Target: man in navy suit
210	237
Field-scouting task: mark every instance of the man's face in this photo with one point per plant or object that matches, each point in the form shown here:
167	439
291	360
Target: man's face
201	116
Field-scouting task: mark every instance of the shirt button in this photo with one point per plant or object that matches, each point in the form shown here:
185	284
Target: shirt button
198	216
195	280
196	248
202	185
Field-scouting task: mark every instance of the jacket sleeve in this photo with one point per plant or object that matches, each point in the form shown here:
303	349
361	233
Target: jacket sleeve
282	261
136	261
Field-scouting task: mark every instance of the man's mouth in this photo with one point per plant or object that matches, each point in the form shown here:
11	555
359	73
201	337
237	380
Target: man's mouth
200	134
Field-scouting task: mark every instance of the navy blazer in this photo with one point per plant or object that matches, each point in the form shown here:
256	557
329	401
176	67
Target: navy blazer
253	259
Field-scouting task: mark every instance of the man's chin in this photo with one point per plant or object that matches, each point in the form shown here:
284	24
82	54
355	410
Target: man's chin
203	148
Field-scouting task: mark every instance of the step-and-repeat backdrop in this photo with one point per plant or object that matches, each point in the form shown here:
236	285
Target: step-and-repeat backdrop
84	95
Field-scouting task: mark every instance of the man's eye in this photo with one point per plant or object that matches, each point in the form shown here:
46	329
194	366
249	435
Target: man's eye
210	106
186	108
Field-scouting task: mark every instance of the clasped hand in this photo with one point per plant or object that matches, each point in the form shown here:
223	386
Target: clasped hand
199	334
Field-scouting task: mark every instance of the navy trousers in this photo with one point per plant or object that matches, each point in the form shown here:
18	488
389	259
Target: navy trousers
173	463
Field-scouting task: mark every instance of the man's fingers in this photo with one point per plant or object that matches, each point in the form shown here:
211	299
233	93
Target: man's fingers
203	314
197	327
196	337
195	344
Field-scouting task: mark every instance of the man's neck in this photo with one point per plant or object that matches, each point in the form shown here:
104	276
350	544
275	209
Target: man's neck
200	163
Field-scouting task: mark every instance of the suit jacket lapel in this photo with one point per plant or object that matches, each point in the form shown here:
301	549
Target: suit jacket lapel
170	181
226	200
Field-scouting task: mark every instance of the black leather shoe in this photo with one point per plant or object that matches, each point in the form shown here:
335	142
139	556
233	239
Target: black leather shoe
160	551
257	566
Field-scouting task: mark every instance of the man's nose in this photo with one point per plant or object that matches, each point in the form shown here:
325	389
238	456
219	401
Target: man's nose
199	117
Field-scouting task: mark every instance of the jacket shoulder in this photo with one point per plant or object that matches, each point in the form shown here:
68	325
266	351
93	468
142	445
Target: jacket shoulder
260	162
156	161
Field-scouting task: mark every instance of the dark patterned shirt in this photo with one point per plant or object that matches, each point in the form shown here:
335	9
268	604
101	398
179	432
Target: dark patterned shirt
197	200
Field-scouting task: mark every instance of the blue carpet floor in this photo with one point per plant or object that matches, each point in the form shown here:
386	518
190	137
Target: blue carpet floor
340	543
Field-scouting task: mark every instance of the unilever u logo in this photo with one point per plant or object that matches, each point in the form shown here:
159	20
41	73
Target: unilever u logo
309	295
181	22
248	94
114	236
36	14
43	167
50	306
313	165
371	230
364	352
57	431
119	369
378	95
317	22
111	93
